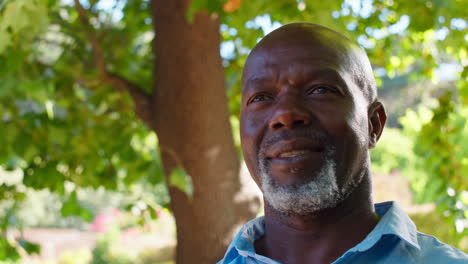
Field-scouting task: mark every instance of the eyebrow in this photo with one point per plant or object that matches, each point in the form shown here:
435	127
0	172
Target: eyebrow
317	73
305	75
326	72
258	79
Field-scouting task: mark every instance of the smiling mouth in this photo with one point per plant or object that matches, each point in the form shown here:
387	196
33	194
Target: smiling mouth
294	150
294	153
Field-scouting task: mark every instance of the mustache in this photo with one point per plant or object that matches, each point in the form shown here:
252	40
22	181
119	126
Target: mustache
321	137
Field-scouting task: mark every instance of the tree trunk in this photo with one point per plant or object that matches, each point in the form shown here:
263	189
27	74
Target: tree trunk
192	123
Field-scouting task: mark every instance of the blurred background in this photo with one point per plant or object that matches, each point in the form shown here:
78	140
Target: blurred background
119	121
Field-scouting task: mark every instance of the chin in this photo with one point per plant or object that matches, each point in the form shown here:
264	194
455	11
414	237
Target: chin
310	198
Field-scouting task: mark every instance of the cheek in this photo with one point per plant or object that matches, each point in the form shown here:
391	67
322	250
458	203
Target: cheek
358	122
357	127
345	122
251	130
348	128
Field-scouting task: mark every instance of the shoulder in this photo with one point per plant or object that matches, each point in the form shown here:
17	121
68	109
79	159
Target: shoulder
434	251
409	244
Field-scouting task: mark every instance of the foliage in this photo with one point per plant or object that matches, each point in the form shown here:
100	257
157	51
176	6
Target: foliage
109	250
393	152
82	256
24	19
71	207
61	123
46	103
42	208
444	231
105	252
46	111
439	172
12	243
420	159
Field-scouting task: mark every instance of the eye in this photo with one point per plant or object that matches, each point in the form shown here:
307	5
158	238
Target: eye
321	90
259	98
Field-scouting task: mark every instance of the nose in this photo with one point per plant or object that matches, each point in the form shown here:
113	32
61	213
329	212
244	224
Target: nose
289	116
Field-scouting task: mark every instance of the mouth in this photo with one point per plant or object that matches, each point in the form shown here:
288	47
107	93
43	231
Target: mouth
293	149
294	160
293	153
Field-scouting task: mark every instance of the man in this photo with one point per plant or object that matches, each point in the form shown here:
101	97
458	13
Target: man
309	116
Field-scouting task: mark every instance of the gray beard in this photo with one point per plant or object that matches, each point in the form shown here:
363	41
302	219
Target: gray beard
309	198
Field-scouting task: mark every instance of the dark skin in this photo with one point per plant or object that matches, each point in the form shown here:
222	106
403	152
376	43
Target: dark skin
301	81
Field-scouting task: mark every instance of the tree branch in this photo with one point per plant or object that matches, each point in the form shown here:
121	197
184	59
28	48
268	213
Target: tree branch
141	99
92	37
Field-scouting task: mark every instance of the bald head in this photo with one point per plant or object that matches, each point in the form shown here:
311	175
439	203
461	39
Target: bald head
309	116
326	42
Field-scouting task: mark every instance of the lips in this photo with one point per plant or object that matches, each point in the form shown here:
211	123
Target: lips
287	149
292	154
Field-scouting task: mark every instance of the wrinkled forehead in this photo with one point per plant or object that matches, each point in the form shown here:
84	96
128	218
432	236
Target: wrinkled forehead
300	41
305	34
291	57
297	56
313	46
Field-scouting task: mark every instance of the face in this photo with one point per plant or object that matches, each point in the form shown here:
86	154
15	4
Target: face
304	124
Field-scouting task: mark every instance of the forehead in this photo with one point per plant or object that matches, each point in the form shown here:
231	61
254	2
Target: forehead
294	60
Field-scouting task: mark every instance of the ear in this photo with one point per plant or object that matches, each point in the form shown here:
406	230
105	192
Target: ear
377	119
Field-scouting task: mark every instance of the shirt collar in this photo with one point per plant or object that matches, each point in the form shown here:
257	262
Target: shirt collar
250	232
243	243
394	221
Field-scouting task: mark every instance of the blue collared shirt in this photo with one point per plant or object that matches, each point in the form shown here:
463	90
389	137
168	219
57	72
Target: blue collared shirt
393	240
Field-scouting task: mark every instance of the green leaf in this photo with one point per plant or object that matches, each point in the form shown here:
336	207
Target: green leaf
5	41
22	19
14	16
7	251
212	6
182	181
30	247
72	208
155	173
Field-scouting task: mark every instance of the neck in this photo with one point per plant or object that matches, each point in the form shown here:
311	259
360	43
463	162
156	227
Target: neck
319	235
